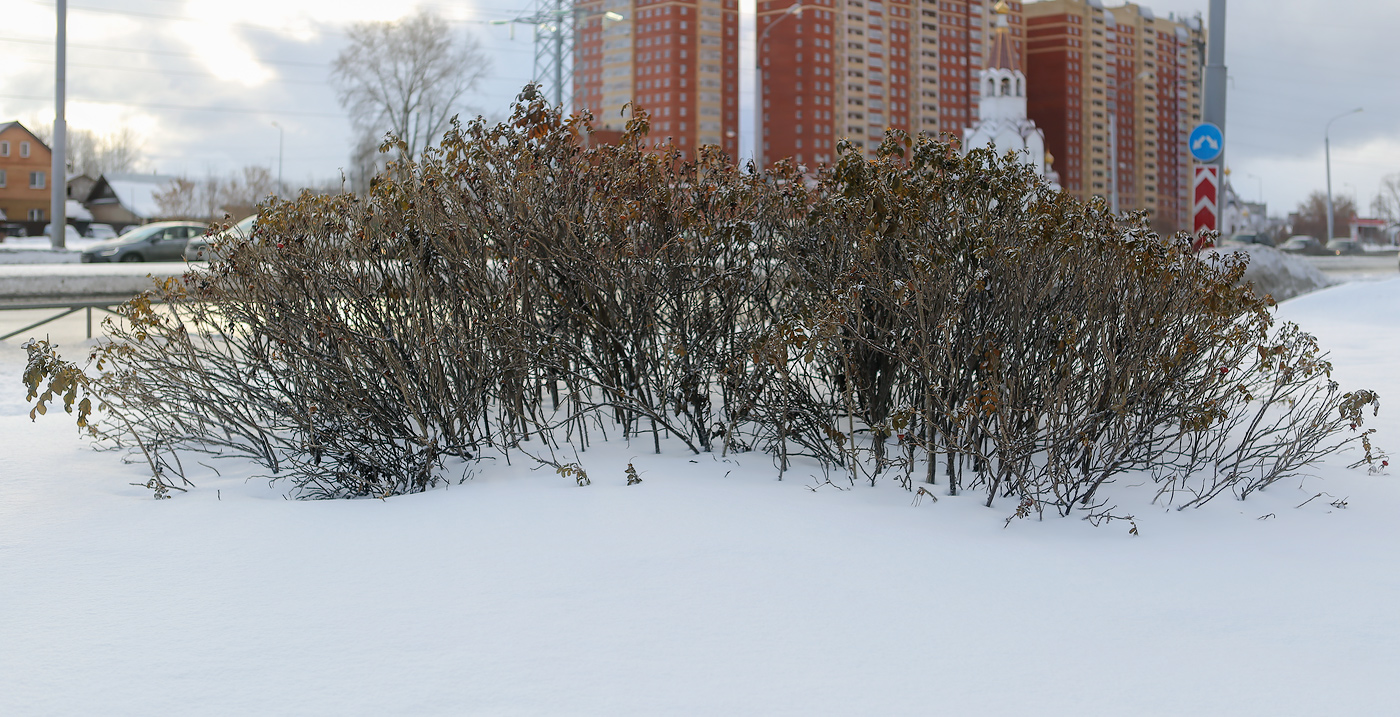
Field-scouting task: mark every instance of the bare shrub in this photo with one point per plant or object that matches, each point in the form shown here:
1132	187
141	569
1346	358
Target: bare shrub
919	313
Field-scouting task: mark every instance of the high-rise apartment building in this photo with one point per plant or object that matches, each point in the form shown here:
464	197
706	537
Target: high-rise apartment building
677	59
1116	91
853	68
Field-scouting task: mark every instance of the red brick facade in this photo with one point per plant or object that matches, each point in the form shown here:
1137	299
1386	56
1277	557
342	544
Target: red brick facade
677	59
1116	84
854	68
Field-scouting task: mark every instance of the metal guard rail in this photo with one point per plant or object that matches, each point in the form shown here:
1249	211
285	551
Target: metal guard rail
69	308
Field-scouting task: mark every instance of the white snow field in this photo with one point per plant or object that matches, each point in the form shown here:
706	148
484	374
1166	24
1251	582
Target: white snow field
709	589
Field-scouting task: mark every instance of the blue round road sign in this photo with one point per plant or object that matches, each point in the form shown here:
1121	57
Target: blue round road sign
1206	142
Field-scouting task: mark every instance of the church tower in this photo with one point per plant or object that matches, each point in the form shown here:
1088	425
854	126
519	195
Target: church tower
1002	104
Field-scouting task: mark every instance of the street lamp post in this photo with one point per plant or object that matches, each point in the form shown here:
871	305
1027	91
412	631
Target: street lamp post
280	133
58	167
1260	180
1327	156
794	9
1114	185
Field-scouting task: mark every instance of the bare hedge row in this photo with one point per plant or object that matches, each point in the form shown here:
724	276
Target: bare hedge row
928	316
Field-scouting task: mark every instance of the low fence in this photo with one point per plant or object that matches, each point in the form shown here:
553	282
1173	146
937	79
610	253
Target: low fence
70	288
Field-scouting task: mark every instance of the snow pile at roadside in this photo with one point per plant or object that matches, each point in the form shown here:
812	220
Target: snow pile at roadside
38	255
1278	274
708	589
84	280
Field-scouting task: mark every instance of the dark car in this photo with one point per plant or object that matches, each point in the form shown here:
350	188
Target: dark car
161	241
1338	247
1302	244
1263	239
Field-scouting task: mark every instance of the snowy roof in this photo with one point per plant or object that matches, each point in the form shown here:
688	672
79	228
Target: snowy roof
76	210
137	192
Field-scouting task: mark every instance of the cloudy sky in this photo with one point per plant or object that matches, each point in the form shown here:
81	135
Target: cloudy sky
201	82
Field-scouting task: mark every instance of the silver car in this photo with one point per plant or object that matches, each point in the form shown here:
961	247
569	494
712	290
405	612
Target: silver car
160	241
201	248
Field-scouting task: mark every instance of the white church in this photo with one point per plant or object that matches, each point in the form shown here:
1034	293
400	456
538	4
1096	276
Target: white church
1002	106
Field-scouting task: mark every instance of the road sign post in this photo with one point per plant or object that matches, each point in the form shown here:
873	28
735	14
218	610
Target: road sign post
1206	143
1205	203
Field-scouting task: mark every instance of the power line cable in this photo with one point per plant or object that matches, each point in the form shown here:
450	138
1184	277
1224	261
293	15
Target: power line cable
156	71
171	53
179	18
164	106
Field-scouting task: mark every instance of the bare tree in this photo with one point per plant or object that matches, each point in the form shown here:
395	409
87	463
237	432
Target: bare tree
181	200
239	195
214	196
408	77
94	154
1312	214
1387	202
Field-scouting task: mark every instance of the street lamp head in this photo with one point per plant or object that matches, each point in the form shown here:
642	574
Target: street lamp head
1348	113
614	16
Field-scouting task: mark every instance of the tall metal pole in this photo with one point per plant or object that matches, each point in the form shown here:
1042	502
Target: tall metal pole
280	134
559	58
794	9
1113	161
58	169
758	102
1327	157
1215	79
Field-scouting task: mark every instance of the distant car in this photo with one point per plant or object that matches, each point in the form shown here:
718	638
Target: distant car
69	234
1244	238
101	231
161	241
1338	247
201	248
1302	244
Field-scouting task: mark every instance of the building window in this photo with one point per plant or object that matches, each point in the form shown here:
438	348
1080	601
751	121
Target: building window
36	215
36	180
2	178
24	149
4	149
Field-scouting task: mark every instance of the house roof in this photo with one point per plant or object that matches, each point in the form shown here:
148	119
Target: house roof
137	192
1002	54
12	123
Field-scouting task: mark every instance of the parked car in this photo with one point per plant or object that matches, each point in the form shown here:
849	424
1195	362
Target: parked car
161	241
69	234
1302	244
1243	238
201	248
101	231
1338	247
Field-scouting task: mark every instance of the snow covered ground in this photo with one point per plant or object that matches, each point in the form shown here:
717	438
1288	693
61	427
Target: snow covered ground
708	589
